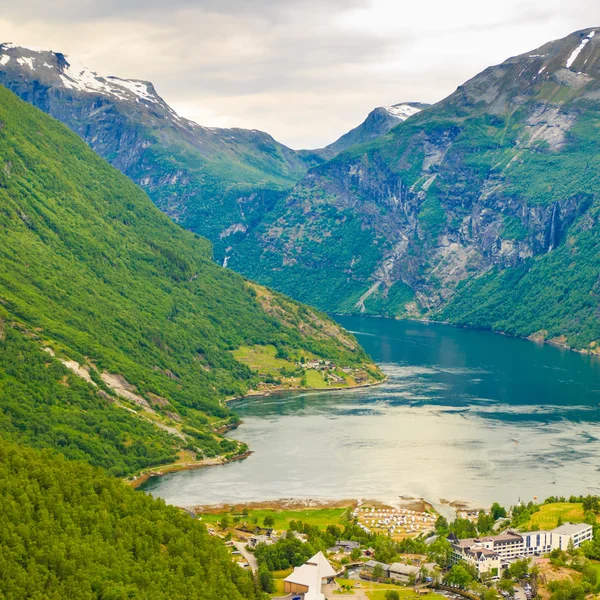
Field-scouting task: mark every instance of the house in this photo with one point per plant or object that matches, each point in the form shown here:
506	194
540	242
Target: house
403	572
347	546
310	578
255	540
370	565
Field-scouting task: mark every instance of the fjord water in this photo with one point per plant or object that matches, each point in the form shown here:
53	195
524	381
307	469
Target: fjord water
464	415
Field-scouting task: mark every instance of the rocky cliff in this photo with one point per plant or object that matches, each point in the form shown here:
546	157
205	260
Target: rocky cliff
496	181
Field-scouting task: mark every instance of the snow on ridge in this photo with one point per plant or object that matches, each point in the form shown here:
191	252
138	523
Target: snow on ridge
26	62
402	111
4	59
78	77
139	88
579	48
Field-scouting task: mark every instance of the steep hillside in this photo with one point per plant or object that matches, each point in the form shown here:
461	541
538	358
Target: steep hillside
94	276
378	122
481	209
70	531
216	182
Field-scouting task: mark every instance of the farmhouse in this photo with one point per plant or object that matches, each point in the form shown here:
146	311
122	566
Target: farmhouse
309	578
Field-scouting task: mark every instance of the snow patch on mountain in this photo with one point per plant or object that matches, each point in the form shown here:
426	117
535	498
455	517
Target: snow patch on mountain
76	76
578	50
26	62
139	88
402	111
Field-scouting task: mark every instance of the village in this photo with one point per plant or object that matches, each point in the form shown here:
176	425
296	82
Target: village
369	551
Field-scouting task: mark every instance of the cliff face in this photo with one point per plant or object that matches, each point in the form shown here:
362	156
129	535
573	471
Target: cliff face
489	182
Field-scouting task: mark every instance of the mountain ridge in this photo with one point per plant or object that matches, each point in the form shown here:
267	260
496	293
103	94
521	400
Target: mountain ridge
378	122
489	184
219	183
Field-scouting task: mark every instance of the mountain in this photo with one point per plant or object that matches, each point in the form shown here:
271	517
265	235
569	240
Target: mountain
378	122
213	181
481	210
216	182
120	336
70	531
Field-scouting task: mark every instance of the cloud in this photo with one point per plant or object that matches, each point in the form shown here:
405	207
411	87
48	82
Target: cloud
306	71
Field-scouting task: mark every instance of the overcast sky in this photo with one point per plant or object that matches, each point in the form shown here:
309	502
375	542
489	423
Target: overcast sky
306	71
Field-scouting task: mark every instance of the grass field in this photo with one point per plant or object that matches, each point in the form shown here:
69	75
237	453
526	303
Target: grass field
548	515
262	359
314	379
376	591
279	577
321	517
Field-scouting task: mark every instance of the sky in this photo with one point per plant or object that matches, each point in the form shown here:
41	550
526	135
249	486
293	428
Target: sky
306	71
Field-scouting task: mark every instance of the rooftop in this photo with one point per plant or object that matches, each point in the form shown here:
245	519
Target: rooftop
403	569
571	528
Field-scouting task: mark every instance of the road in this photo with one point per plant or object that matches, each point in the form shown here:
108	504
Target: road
250	558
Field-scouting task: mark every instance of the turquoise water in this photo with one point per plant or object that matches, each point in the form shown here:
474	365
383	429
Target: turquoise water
465	415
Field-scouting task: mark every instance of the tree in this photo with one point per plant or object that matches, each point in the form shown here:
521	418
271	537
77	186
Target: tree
224	524
506	585
392	595
484	522
459	576
378	572
440	551
441	525
489	594
355	554
571	548
560	521
518	569
269	521
497	511
265	577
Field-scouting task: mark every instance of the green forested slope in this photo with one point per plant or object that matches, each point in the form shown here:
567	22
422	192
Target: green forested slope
70	531
93	272
44	404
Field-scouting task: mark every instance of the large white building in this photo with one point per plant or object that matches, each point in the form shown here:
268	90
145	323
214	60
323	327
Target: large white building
309	578
489	554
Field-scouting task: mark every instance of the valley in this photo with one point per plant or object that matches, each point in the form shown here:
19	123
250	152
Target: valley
231	369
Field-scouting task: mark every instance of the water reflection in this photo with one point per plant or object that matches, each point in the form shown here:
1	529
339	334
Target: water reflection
464	415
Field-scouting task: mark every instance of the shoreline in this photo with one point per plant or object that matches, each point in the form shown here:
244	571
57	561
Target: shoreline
161	470
299	504
530	338
282	390
142	478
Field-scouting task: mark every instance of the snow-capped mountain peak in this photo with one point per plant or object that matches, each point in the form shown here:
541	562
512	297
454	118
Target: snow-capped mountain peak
60	70
403	111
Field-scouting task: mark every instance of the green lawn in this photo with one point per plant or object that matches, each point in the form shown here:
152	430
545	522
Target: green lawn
548	515
262	359
314	379
376	591
321	517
